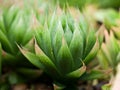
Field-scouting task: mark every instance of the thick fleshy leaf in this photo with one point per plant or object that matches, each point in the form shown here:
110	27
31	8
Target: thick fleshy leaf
44	41
49	66
77	73
57	40
106	53
30	45
90	41
47	44
68	35
70	22
76	48
31	57
9	16
18	29
28	27
64	58
92	53
104	63
5	43
39	36
83	25
27	36
113	47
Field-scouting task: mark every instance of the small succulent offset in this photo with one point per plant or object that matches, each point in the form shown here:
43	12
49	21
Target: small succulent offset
109	57
63	47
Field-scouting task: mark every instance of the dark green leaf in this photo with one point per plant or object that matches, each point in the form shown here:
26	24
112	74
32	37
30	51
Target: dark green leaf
76	48
5	43
64	58
94	74
9	16
90	41
32	58
57	40
92	53
46	62
68	35
77	73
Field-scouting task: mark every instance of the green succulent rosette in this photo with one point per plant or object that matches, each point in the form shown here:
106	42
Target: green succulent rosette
63	47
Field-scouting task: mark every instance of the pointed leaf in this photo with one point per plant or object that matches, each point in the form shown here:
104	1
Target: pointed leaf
18	29
106	53
47	44
49	66
76	48
102	60
90	41
77	73
94	74
5	43
39	36
68	35
57	40
92	53
31	57
9	16
64	58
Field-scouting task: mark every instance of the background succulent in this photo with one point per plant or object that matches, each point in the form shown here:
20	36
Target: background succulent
109	53
15	28
16	22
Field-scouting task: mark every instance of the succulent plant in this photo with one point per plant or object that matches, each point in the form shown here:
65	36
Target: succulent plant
15	29
63	47
109	54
